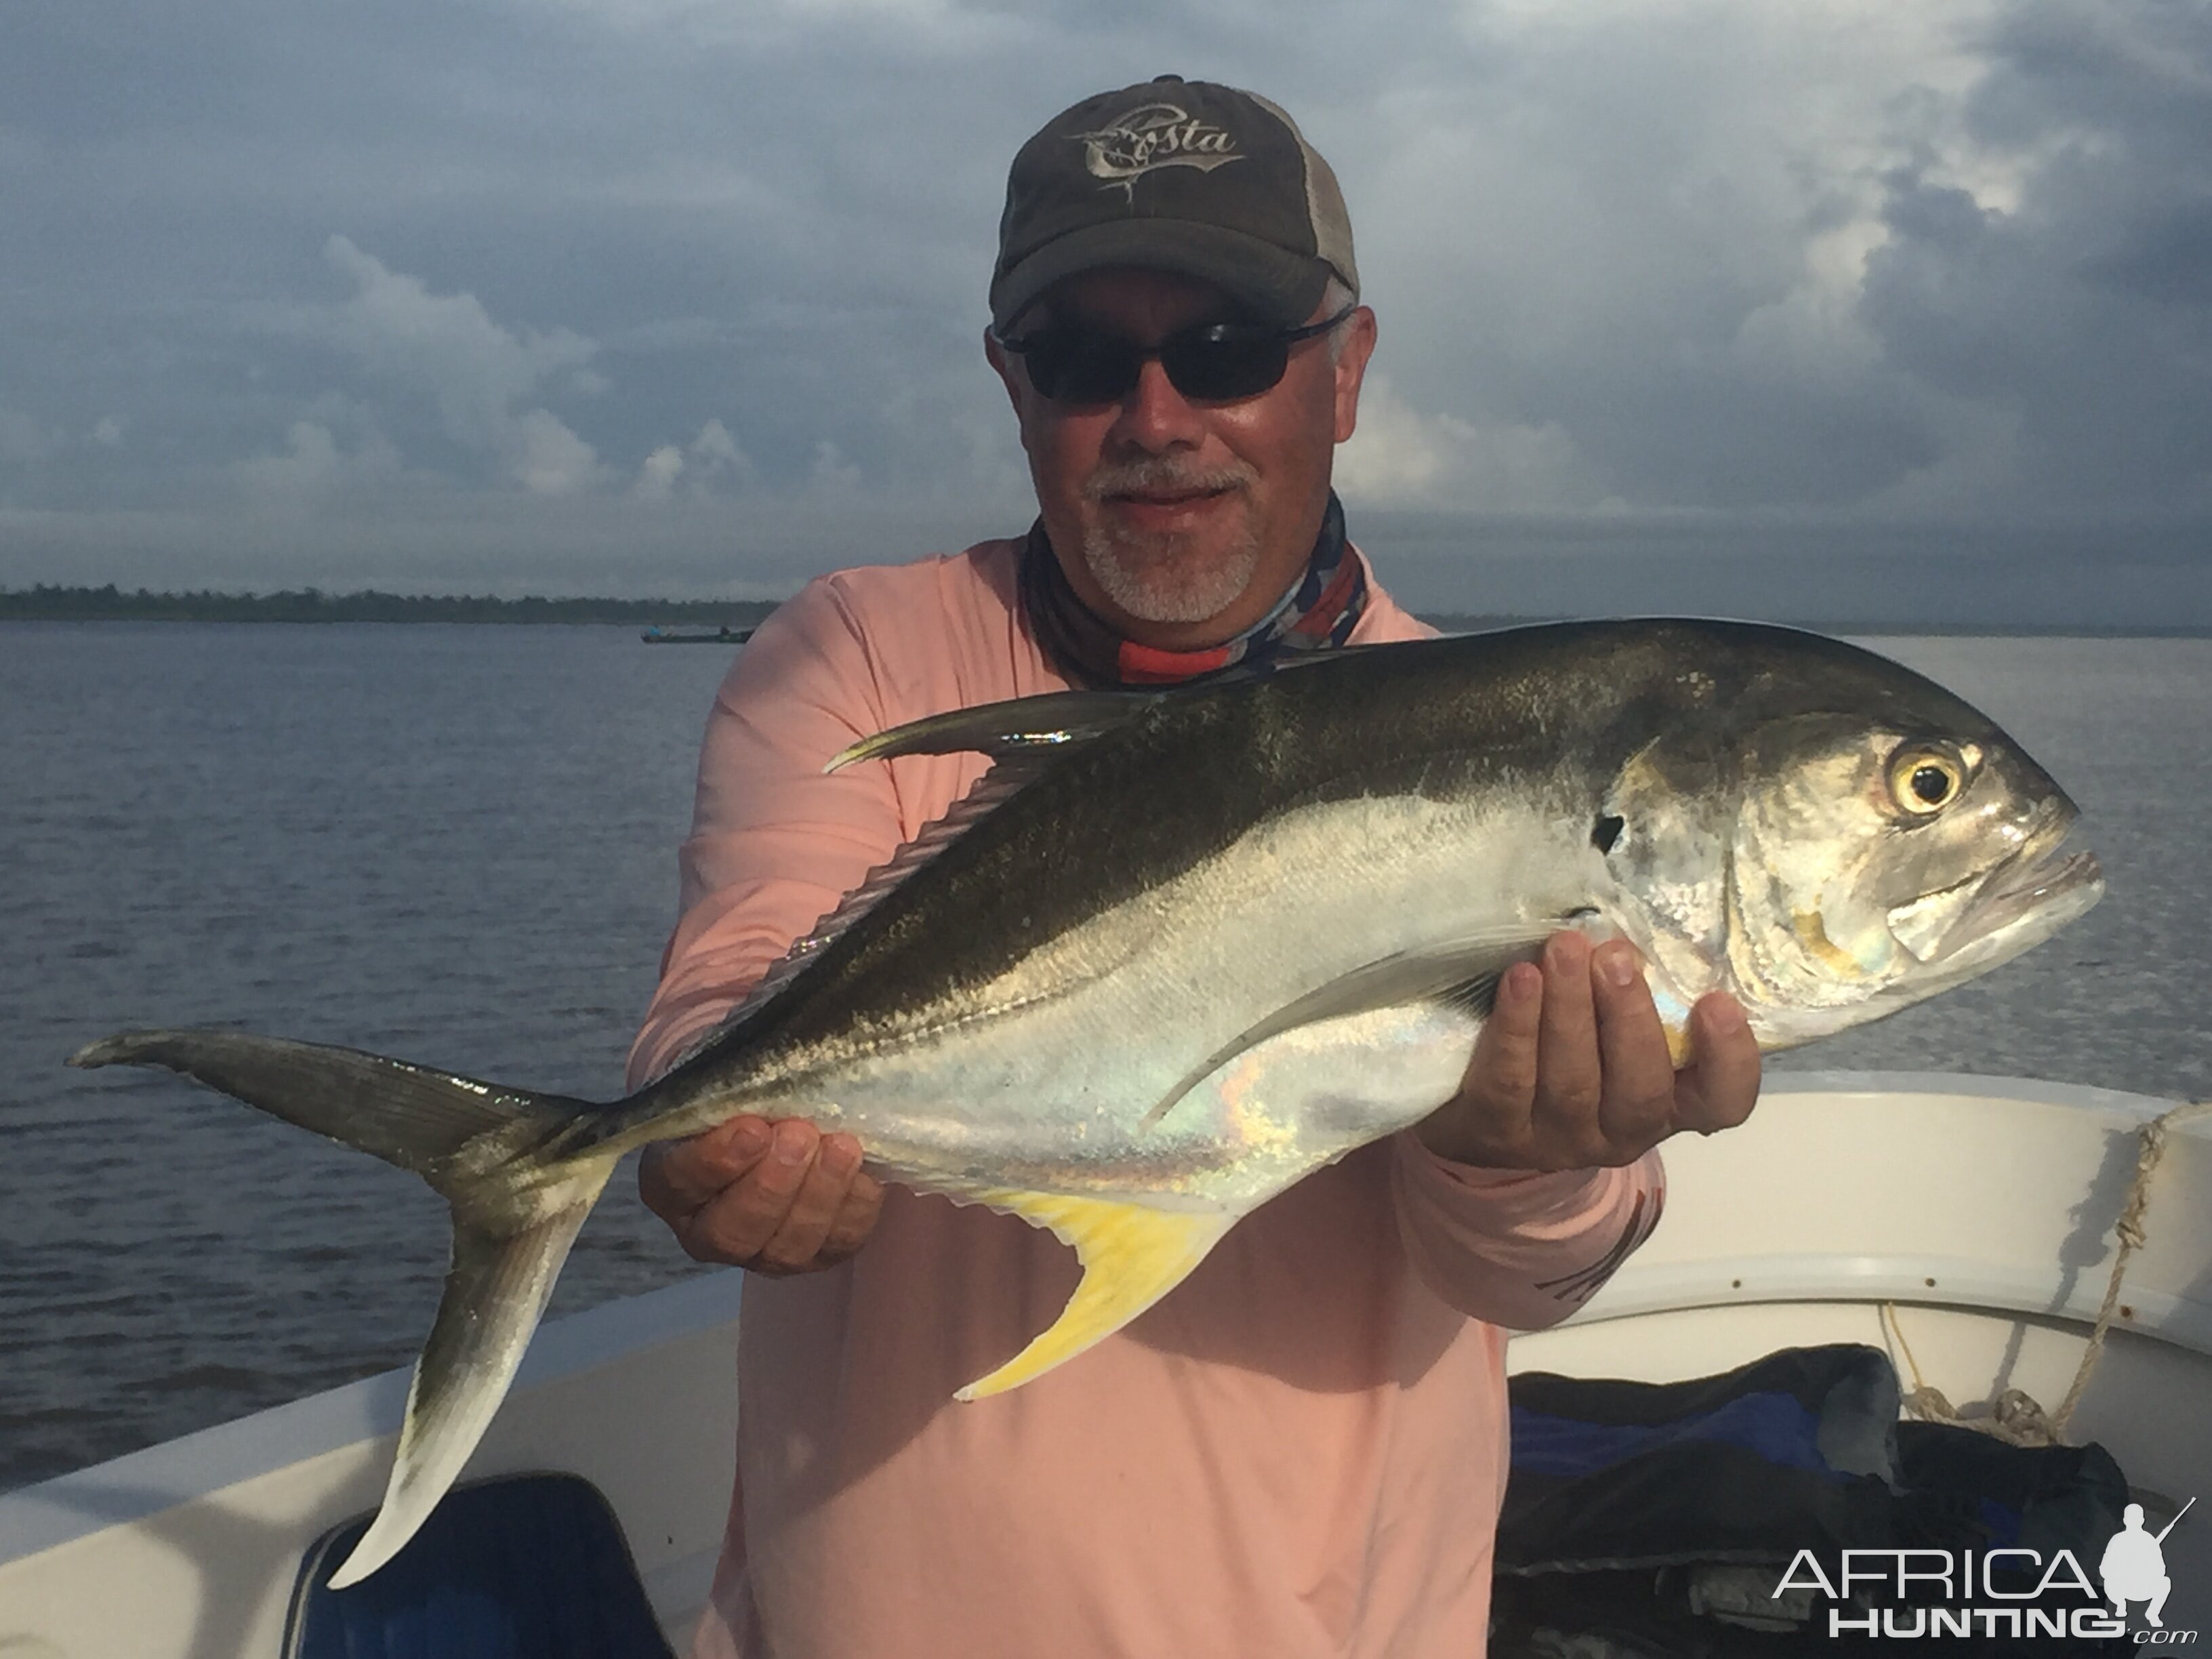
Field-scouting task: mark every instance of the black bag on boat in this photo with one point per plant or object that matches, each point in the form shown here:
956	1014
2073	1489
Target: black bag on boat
1794	1451
1646	1521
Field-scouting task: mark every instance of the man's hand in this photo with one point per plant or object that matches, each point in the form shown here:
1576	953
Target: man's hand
1571	1071
778	1198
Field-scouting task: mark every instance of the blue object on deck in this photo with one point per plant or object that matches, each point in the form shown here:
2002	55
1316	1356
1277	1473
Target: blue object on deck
1778	1426
526	1566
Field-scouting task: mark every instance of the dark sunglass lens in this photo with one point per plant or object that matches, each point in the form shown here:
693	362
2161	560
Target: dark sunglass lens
1076	366
1223	369
1219	364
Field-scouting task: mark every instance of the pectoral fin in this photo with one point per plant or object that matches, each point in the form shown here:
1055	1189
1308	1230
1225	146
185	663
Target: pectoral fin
1460	971
1133	1254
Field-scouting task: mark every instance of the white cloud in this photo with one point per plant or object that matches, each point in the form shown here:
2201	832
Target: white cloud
656	478
1400	456
713	465
310	462
486	380
554	461
716	455
1647	224
107	432
312	468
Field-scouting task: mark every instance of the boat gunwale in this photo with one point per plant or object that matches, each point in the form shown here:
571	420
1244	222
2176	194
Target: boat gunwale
194	1467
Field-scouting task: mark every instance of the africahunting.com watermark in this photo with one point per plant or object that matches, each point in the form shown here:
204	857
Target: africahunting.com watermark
2016	1594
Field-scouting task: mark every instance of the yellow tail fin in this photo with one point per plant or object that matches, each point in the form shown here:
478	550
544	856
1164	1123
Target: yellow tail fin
1132	1254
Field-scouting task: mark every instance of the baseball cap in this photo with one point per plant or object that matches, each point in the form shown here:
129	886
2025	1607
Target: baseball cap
1175	175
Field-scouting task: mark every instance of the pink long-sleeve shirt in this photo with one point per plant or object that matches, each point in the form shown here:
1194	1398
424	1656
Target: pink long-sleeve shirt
1299	1452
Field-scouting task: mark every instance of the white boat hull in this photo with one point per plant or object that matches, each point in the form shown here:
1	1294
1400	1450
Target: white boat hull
188	1550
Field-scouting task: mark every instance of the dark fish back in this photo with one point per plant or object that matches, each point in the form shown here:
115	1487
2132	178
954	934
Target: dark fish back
1118	815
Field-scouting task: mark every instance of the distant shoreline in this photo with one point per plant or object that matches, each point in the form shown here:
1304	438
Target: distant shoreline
110	604
309	604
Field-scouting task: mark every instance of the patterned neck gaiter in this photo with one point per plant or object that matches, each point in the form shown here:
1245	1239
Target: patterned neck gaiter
1319	612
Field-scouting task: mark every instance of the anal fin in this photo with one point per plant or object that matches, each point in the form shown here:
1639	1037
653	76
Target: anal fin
1133	1254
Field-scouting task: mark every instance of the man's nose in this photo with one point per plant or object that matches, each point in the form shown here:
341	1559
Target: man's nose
1154	416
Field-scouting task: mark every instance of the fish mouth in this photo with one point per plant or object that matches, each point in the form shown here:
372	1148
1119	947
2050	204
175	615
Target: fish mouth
2026	899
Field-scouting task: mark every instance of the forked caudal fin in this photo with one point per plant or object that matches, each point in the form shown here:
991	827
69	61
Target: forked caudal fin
494	1292
514	1218
1133	1254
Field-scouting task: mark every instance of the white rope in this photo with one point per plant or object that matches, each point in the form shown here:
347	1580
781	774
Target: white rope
2014	1417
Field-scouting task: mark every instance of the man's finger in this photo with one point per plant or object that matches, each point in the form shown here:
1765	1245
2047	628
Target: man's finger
675	1178
1566	1043
1720	1087
1638	1109
798	1237
735	1224
1502	1077
1487	1121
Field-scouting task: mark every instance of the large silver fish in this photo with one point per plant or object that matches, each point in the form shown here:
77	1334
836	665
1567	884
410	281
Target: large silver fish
1180	948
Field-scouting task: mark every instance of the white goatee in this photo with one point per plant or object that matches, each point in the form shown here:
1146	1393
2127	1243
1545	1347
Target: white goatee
1159	576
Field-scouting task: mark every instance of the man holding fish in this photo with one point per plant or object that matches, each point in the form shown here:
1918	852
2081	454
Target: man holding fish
1301	1450
1088	885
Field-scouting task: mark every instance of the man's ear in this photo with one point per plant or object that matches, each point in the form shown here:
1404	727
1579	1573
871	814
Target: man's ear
1002	361
1351	369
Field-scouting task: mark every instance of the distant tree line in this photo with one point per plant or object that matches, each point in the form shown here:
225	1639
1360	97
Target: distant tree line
309	604
47	603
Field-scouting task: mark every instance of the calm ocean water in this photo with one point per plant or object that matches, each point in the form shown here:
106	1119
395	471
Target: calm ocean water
456	844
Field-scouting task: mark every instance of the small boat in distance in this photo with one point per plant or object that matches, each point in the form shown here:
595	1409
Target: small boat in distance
723	635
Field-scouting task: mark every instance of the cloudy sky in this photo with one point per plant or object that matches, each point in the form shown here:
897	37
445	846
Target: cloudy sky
1852	309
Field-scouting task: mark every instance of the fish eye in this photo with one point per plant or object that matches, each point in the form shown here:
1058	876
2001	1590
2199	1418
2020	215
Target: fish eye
1924	780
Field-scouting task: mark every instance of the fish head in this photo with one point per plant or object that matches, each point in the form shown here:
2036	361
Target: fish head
1875	863
1841	842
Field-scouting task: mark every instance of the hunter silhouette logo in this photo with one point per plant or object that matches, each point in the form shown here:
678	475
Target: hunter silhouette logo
1151	137
2134	1565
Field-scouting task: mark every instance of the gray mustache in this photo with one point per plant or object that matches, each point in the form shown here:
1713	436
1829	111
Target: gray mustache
1129	477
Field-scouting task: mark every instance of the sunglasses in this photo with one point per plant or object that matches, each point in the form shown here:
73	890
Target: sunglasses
1209	363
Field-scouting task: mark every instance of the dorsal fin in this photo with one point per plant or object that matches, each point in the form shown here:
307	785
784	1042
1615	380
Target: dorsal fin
1018	726
1023	735
1006	779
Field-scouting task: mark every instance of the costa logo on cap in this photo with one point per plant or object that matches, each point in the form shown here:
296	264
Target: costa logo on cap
1140	177
1153	135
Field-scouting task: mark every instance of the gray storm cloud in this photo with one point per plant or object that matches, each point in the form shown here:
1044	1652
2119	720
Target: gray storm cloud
621	296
